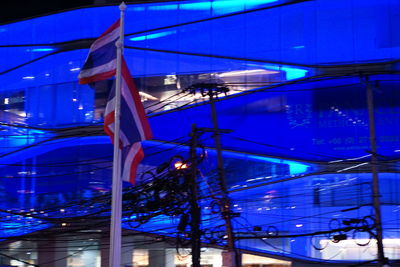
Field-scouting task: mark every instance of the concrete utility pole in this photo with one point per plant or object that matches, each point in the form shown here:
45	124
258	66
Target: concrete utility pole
230	258
375	171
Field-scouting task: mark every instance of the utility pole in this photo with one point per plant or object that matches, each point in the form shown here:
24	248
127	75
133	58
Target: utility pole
375	171
230	258
194	205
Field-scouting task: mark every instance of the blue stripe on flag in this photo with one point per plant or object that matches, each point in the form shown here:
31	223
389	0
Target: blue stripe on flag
101	56
128	124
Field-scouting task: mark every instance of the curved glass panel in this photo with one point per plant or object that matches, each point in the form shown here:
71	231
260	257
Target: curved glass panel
298	159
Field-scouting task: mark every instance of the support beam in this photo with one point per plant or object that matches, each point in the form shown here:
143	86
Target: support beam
52	253
161	258
104	245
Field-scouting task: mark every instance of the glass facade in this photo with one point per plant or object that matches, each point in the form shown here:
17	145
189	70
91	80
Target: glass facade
298	159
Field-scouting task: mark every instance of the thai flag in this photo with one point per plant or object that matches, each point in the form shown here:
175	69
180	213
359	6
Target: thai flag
134	127
102	59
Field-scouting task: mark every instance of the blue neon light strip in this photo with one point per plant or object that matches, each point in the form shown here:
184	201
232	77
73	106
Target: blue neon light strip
50	146
291	72
152	36
295	167
217	6
42	49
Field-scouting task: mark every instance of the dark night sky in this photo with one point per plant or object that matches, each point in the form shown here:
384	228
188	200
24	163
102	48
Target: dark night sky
11	10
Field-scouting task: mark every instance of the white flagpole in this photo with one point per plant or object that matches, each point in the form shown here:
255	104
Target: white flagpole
116	205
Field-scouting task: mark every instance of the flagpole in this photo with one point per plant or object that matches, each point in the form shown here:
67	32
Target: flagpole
116	203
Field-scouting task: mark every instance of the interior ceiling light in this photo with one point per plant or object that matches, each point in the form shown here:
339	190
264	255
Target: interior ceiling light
247	72
148	96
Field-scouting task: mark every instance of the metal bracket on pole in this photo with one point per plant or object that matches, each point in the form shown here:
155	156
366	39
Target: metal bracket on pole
205	129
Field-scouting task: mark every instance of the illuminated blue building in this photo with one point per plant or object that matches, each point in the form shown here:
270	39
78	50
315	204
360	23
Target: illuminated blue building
298	159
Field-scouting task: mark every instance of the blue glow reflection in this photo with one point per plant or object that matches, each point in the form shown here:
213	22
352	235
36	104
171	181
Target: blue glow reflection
16	225
12	138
